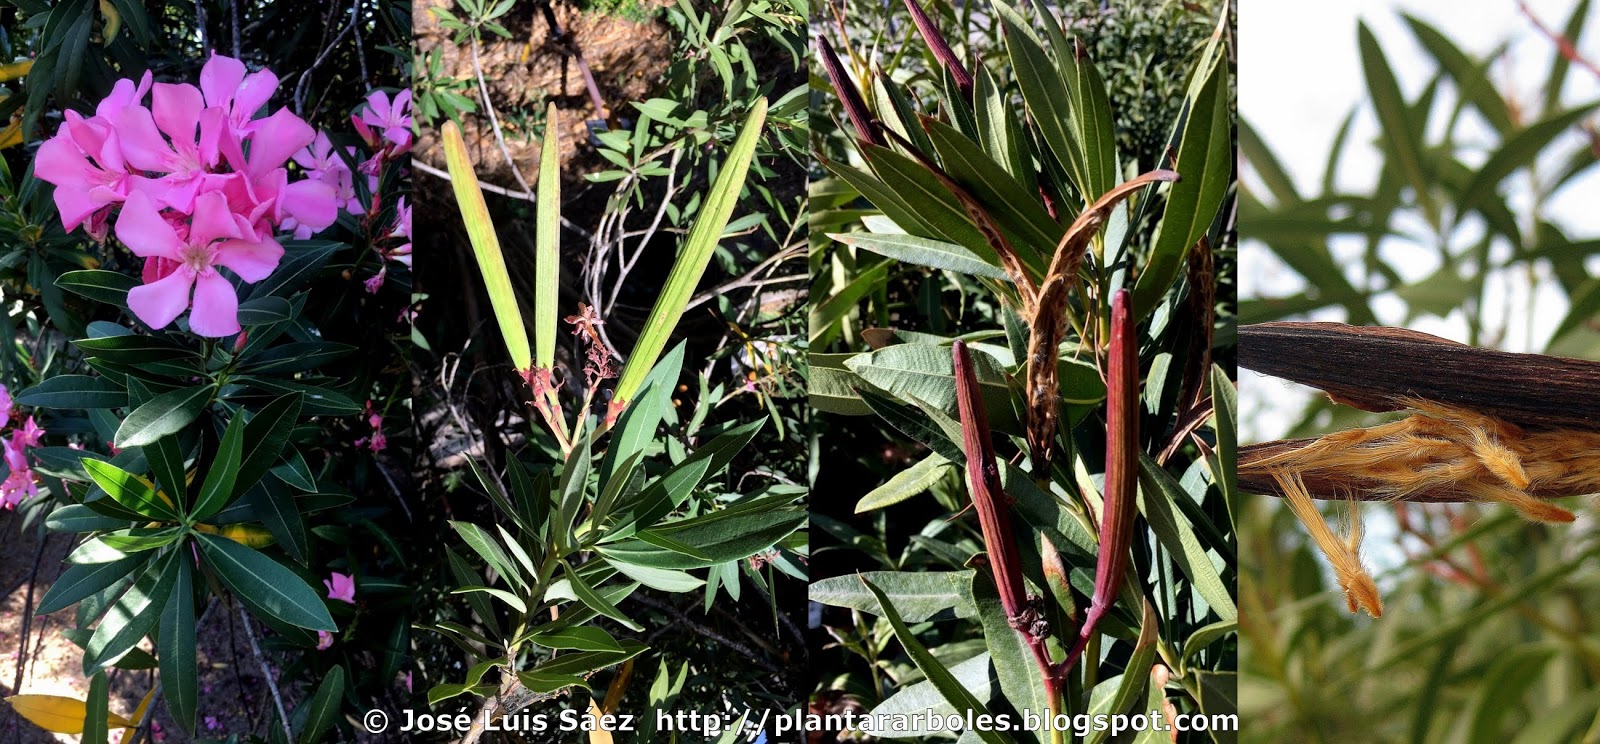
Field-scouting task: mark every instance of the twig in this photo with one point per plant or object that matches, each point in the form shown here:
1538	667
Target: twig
502	191
494	121
233	12
200	25
1563	45
305	77
272	685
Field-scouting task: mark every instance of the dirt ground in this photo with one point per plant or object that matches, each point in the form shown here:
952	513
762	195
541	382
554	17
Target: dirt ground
626	57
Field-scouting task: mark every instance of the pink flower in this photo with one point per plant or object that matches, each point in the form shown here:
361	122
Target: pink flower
84	161
30	433
377	442
216	237
402	229
226	85
212	724
324	638
375	283
394	119
408	680
322	163
19	483
340	587
5	405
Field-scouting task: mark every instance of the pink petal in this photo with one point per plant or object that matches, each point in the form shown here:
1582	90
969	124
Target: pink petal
142	143
145	232
216	307
220	79
161	302
254	93
124	94
276	138
252	260
212	220
312	203
177	110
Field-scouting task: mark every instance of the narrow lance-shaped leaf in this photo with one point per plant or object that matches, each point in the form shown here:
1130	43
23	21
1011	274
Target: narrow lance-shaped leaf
486	247
547	245
1122	467
697	250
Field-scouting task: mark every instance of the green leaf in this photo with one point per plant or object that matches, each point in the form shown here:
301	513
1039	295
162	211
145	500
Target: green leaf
1402	135
1014	208
485	546
576	639
1157	495
695	254
216	491
322	710
80	581
265	436
1136	677
1205	172
264	585
911	249
299	356
662	579
917	701
636	427
825	316
953	691
513	601
265	311
547	246
1225	404
486	247
301	262
133	349
132	615
906	483
720	536
164	414
1200	639
1014	664
573	490
81	518
669	491
581	664
464	576
917	596
97	708
1045	94
594	601
831	386
1471	77
110	287
1520	150
926	373
276	509
74	392
167	465
178	655
128	489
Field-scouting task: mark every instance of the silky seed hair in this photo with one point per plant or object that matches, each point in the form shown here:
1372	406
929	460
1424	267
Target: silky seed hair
1442	448
1343	553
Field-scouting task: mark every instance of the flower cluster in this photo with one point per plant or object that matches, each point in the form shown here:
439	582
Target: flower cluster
201	184
377	442
19	483
385	127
